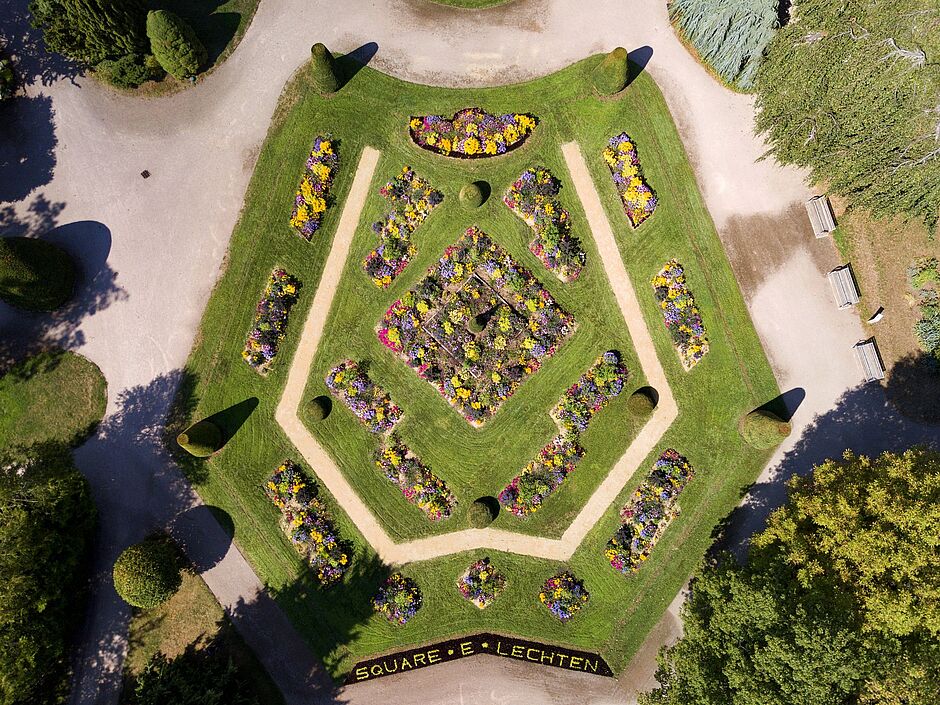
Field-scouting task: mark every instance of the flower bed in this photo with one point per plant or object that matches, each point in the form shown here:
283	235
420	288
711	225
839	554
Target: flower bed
481	583
564	594
638	198
532	197
471	133
270	323
307	523
412	199
420	486
312	196
682	317
399	599
369	402
650	510
542	476
591	393
476	326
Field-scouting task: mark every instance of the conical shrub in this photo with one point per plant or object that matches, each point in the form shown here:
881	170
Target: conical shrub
763	429
323	70
611	75
202	439
175	44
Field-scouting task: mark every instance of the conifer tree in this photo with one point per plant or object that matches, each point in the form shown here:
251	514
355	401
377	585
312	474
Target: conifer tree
91	31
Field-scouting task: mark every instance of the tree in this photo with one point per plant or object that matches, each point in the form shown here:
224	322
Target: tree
47	521
202	439
847	91
612	73
837	602
763	429
147	574
323	70
729	35
91	30
175	44
35	275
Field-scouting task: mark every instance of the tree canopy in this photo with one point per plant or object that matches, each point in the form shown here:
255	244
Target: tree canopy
850	89
837	603
91	31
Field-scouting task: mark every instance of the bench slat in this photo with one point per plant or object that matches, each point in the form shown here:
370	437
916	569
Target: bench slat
868	357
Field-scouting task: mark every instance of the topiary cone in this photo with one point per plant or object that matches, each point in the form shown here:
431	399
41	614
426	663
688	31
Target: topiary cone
323	70
202	439
611	75
762	429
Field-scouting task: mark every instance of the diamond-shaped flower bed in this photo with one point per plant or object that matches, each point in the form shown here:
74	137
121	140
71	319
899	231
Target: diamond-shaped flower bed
476	326
481	583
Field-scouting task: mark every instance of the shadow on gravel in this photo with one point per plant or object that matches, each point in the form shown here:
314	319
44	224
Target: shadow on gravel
785	405
348	65
27	146
32	62
202	536
637	61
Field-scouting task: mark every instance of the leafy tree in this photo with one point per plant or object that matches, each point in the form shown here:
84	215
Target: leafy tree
91	31
730	35
175	44
837	603
47	520
34	274
147	574
850	91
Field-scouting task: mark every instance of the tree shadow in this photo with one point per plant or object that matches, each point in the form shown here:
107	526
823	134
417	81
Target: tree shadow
348	65
33	62
202	536
786	404
27	146
214	29
913	386
231	419
637	61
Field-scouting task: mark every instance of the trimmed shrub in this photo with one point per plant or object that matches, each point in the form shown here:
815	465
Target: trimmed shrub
611	75
175	44
474	194
35	275
201	440
319	408
147	574
323	70
763	429
478	323
642	402
129	71
483	512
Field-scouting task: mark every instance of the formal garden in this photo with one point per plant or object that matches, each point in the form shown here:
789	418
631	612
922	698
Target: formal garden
475	368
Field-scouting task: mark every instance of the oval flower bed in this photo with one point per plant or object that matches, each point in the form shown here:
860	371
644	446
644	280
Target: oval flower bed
471	133
564	594
270	323
638	198
369	402
481	583
412	199
542	476
420	486
312	196
650	510
399	599
532	197
591	393
680	313
307	523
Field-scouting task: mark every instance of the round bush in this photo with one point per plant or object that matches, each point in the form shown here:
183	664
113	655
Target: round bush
201	439
474	194
35	275
611	75
147	574
483	512
642	402
477	324
319	408
175	44
762	429
323	70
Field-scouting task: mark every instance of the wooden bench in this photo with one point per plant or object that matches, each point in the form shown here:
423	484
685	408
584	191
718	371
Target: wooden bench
843	286
867	353
820	215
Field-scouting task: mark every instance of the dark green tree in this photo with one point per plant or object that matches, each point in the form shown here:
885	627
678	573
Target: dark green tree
612	73
147	574
175	44
91	31
34	274
323	70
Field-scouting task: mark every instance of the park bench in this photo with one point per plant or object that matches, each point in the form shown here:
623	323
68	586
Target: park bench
870	360
843	286
820	215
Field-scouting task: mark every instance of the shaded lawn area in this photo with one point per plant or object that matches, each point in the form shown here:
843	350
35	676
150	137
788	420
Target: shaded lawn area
733	378
220	24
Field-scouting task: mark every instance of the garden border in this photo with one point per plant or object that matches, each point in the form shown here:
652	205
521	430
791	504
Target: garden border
287	413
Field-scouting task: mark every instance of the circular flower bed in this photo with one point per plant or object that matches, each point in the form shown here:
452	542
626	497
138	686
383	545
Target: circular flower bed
564	594
399	599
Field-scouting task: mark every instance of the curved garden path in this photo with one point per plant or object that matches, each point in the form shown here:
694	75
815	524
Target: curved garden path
151	250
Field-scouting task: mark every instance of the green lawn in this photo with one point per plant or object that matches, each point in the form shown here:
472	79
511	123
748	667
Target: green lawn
53	396
732	379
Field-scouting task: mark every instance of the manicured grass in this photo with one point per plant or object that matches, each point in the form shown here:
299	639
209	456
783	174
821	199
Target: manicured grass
35	275
54	396
732	379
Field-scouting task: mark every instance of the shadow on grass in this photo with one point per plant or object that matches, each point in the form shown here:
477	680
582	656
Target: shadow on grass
348	65
914	387
215	29
233	418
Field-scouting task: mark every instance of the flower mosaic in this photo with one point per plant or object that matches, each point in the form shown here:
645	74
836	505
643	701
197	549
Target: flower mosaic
417	483
637	197
564	594
312	196
481	583
369	402
399	599
471	133
270	324
680	313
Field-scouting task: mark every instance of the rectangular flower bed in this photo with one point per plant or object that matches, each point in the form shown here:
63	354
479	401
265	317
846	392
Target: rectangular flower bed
533	197
312	196
476	326
307	523
420	486
471	133
650	510
270	324
369	402
680	313
412	199
542	476
481	583
591	393
638	198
